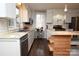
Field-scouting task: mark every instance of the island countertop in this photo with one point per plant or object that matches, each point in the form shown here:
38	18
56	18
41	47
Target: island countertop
65	33
12	35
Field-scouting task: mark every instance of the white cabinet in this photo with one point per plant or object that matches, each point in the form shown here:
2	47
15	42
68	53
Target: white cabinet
9	47
49	16
8	10
2	9
30	39
23	12
13	44
11	10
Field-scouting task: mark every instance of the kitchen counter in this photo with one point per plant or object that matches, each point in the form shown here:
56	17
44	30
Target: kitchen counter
64	33
60	42
12	35
13	43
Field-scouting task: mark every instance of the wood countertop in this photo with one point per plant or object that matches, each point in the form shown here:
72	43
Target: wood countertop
64	33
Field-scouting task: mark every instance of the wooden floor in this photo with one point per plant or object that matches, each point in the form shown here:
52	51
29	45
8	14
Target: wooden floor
39	48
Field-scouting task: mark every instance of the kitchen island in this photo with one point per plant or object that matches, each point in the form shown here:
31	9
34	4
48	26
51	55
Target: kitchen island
13	43
60	42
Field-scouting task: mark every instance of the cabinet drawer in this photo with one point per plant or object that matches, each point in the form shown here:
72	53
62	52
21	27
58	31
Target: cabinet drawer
61	53
60	49
61	46
61	36
62	43
62	40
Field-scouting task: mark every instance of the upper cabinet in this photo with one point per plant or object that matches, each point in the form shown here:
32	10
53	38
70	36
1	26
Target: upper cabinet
8	10
49	16
23	12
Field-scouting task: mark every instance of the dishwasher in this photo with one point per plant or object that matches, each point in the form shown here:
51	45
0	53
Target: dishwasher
24	45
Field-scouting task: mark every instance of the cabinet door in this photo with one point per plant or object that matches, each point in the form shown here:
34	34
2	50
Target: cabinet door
24	48
77	23
11	10
2	9
49	16
8	10
30	39
23	13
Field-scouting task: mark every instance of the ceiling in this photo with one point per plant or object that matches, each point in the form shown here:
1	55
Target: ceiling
45	6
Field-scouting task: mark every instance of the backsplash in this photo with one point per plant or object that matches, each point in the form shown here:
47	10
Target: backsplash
3	25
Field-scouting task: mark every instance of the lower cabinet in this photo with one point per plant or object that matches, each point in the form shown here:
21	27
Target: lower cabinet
24	48
30	39
24	45
14	46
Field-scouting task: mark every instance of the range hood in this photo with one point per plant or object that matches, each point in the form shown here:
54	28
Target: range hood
30	22
26	22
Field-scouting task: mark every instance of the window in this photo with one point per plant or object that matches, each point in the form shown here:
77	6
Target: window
40	20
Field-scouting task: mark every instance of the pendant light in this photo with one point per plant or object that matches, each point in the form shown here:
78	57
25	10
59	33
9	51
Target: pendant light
65	9
19	3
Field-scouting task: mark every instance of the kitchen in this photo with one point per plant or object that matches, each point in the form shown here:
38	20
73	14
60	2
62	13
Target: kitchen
24	24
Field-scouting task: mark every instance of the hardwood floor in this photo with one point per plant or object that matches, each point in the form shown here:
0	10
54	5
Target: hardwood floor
39	48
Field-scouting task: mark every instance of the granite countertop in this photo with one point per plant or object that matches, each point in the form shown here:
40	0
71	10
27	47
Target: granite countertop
12	35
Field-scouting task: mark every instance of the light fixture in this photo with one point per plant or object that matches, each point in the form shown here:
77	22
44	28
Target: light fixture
65	9
19	3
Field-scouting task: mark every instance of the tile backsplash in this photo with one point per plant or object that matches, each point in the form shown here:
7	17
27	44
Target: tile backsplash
3	25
